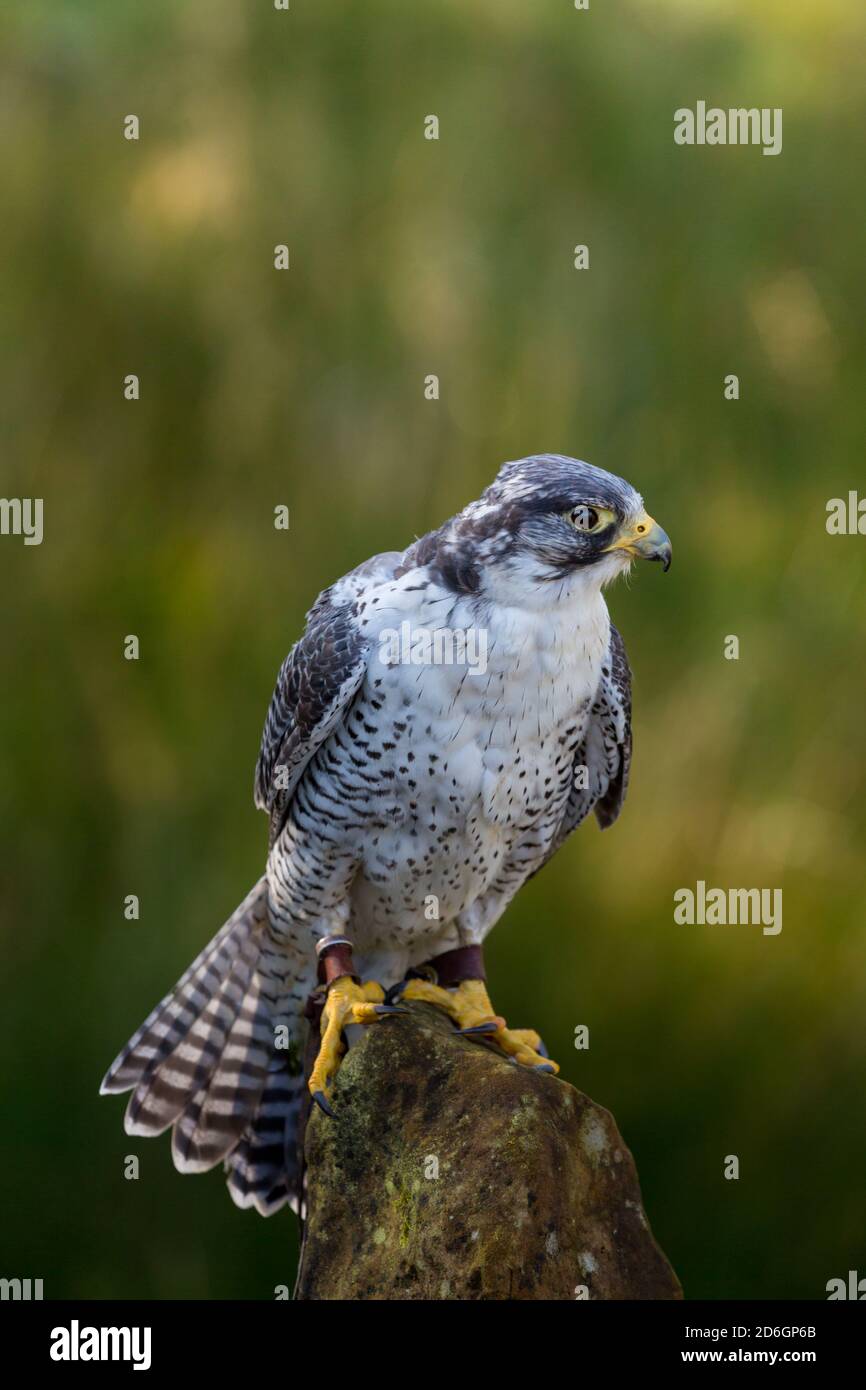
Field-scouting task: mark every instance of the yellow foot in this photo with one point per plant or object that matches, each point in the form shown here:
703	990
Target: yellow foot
346	1003
470	1007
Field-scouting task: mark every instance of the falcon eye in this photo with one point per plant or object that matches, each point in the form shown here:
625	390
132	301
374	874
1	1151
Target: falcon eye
586	518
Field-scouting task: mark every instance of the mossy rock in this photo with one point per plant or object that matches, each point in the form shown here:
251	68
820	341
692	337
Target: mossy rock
448	1173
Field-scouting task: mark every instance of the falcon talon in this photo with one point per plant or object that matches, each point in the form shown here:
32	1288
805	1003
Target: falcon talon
470	1009
393	770
322	1101
346	1002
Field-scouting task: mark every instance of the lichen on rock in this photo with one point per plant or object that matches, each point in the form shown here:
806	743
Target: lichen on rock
448	1173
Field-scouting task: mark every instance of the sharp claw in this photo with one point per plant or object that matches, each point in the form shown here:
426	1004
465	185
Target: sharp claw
541	1049
479	1028
395	992
389	1009
545	1066
322	1101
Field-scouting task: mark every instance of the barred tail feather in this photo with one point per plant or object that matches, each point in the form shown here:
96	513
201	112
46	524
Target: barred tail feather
204	1062
262	1171
217	1113
167	1084
169	1023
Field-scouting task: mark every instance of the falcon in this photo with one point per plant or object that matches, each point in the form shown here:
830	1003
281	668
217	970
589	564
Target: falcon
408	802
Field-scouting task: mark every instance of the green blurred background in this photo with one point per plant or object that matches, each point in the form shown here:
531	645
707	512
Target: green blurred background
411	257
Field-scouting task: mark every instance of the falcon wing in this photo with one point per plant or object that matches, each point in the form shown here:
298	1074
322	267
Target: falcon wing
604	751
608	738
315	687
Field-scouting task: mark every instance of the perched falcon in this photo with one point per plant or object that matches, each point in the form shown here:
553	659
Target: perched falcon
449	716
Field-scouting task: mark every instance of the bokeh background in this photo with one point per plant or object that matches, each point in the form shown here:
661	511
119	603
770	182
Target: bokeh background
258	388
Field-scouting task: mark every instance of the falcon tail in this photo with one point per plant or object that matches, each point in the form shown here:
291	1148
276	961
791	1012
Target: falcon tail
203	1063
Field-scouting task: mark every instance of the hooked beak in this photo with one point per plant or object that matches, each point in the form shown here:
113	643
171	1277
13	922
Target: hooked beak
646	540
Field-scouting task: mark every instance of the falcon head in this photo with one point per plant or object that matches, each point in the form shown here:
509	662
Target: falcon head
546	519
